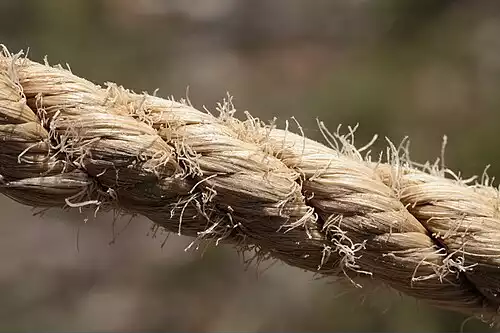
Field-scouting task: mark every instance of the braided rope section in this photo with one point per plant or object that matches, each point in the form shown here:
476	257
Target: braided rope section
66	142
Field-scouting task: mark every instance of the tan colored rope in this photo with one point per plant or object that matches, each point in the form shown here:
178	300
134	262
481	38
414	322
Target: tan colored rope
67	142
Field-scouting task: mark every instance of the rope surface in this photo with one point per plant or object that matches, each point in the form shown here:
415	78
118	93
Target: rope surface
66	142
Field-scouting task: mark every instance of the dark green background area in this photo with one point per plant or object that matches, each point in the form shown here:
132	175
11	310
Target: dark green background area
397	68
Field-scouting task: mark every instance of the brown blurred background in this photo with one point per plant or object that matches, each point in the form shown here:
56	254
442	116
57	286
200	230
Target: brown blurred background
397	67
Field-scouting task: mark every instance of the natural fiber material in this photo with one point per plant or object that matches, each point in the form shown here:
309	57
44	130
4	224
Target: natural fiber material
67	142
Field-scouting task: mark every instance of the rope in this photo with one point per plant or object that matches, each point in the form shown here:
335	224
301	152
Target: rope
67	142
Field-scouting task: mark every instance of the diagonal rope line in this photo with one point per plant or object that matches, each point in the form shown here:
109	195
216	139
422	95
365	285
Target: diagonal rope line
66	142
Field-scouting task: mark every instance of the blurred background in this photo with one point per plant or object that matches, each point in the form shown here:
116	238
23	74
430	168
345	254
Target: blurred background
399	68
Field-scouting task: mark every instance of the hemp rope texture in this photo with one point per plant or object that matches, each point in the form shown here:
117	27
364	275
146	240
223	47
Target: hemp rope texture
66	142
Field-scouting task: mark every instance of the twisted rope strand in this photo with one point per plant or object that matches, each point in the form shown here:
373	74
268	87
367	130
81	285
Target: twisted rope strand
69	143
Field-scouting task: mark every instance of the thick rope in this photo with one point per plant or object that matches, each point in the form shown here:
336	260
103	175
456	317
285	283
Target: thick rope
67	142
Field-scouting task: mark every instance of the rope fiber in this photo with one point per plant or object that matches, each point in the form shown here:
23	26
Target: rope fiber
68	143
